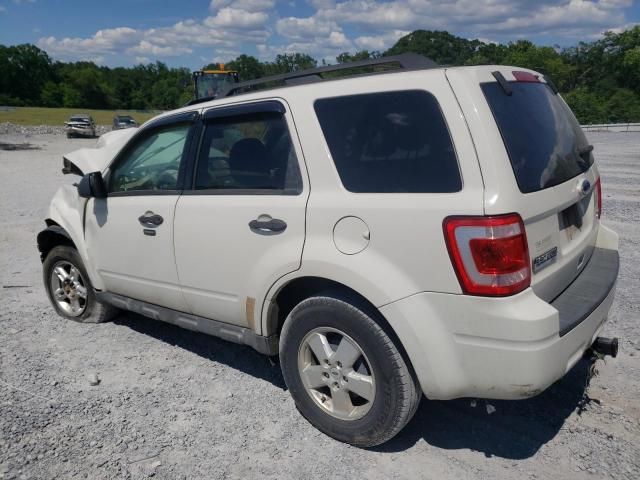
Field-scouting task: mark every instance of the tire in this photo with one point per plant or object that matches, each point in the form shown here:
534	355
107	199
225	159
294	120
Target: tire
382	372
75	285
69	135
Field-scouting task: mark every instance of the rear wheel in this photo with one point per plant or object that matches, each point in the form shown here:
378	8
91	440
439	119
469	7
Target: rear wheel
345	374
69	288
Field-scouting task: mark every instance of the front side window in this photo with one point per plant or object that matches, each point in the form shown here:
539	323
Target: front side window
390	142
248	152
152	163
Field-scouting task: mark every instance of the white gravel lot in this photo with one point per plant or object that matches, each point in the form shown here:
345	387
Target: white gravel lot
175	404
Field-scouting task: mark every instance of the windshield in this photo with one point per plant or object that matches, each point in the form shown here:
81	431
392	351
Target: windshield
79	119
210	84
545	143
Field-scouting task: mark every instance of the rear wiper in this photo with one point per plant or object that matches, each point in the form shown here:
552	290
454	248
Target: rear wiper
584	150
506	88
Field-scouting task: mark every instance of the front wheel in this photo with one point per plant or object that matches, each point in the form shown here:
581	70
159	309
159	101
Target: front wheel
345	374
69	288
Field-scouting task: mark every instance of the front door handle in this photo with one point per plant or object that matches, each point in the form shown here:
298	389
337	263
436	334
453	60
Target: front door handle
150	219
265	225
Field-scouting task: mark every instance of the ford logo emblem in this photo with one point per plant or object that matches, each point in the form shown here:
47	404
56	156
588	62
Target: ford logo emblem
584	187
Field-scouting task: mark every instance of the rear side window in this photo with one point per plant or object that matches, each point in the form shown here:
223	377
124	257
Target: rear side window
392	142
545	143
248	152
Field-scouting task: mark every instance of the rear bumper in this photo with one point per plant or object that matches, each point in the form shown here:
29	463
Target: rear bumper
505	348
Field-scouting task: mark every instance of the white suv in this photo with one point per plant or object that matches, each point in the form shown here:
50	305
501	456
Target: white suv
421	230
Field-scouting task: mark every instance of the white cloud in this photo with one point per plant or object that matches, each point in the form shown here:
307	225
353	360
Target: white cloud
143	60
246	5
575	13
380	42
481	16
147	48
224	31
230	27
236	19
295	27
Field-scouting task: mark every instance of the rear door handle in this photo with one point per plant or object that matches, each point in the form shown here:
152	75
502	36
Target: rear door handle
265	225
150	219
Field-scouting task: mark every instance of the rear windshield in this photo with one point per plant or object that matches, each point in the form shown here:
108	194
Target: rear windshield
545	143
390	142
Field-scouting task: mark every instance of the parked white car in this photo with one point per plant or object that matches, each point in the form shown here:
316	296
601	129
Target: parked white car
423	230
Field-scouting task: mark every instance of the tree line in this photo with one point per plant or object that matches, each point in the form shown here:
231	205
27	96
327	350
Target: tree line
600	80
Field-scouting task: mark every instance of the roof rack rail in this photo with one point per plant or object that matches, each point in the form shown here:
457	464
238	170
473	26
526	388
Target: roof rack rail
406	61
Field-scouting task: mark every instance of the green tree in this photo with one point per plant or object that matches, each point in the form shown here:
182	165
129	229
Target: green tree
248	67
289	62
441	47
25	69
587	106
52	95
623	106
360	55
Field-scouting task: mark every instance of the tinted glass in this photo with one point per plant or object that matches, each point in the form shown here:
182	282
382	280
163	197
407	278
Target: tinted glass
390	142
545	143
152	163
248	152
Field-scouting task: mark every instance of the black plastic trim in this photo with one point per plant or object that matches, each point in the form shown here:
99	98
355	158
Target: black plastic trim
588	290
226	331
148	193
270	106
183	117
46	239
503	82
243	191
552	85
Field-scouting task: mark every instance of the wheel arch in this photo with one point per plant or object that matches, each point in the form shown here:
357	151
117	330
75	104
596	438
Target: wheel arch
53	236
297	289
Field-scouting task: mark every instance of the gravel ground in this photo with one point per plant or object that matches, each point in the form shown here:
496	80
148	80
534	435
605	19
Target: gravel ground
8	128
174	404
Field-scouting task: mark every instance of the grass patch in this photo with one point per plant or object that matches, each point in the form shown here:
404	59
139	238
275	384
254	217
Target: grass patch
57	116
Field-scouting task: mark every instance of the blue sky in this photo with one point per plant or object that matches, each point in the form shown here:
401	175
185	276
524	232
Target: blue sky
192	33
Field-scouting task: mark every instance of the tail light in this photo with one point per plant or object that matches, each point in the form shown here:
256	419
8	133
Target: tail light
489	254
598	198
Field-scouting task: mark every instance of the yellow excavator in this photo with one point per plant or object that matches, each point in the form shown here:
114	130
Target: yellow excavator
209	83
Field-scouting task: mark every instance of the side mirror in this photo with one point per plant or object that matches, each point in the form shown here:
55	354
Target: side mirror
92	185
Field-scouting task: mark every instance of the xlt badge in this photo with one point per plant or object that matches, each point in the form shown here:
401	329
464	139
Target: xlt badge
544	260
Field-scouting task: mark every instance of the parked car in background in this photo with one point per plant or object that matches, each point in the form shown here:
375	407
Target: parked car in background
427	230
80	124
123	121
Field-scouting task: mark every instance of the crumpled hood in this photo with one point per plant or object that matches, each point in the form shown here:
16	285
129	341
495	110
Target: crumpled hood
96	159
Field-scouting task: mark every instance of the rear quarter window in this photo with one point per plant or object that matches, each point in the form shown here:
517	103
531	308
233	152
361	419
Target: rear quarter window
390	142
